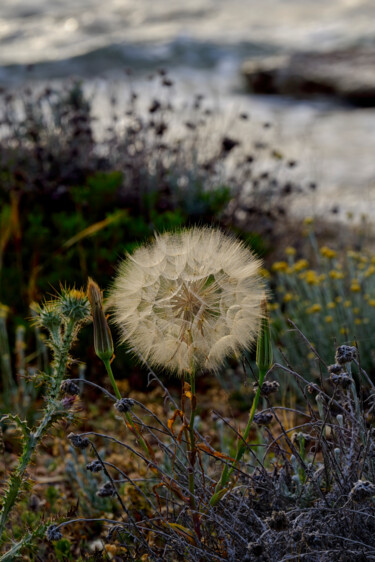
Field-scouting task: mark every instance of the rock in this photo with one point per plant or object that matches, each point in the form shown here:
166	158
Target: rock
346	75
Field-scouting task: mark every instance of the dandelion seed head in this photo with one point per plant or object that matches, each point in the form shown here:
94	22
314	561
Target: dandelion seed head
188	299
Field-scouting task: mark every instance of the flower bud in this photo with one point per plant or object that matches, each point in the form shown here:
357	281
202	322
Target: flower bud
102	335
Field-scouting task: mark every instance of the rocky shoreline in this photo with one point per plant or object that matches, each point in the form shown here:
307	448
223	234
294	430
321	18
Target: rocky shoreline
346	76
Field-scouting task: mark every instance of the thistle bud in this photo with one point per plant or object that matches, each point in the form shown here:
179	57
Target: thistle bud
264	355
102	335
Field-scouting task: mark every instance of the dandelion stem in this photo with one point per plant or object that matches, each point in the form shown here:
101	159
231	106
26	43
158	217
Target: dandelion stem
241	447
264	361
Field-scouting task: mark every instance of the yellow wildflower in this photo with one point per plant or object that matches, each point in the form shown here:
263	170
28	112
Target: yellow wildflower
331	305
300	265
355	287
329	319
290	251
311	277
334	274
370	271
357	321
343	331
371	302
314	308
327	252
352	254
347	303
338	299
356	310
280	266
308	220
264	273
288	297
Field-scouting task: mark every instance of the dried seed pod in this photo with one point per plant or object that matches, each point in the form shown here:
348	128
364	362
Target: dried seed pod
69	387
268	387
106	491
343	380
53	533
78	441
263	418
345	354
124	405
362	490
94	466
335	369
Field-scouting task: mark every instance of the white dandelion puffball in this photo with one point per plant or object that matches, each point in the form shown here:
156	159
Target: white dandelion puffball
188	299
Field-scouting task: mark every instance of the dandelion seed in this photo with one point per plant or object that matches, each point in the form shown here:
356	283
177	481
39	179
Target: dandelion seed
189	299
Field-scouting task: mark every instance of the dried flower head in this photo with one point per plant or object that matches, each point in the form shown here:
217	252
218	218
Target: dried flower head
78	441
69	387
189	299
53	533
345	354
362	490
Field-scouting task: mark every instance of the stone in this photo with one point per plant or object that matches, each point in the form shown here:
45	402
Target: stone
348	76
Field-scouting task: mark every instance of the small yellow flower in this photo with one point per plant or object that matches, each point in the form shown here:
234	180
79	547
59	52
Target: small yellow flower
280	266
288	297
264	273
327	252
308	220
273	306
329	319
355	287
371	302
290	251
300	265
4	310
356	310
353	255
347	303
334	274
312	277
373	260
357	321
338	299
331	305
314	308
370	271
343	331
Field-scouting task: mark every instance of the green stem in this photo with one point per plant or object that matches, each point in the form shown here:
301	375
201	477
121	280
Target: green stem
127	415
241	447
16	479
